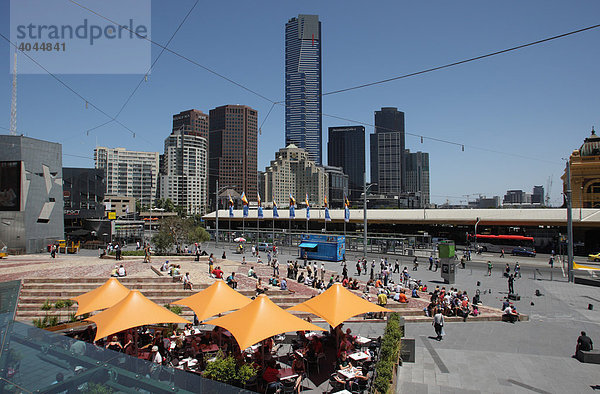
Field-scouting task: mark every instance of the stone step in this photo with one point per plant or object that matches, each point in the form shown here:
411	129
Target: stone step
100	280
85	287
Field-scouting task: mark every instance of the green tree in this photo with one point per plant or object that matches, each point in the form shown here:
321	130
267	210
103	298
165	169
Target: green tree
198	234
163	240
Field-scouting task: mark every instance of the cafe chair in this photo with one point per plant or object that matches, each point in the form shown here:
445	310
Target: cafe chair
289	385
334	383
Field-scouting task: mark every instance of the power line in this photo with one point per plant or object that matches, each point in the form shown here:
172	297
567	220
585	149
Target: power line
145	77
87	101
177	54
472	59
372	83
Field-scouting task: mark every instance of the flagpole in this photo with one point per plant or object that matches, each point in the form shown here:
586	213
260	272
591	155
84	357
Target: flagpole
325	222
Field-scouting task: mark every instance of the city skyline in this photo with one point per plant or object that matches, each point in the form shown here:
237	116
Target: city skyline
505	104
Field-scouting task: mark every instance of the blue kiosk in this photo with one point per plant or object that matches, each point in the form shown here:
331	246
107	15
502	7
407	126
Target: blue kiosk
323	247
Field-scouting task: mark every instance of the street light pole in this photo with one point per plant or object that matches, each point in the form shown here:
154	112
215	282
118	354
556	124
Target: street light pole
365	215
365	189
217	214
569	223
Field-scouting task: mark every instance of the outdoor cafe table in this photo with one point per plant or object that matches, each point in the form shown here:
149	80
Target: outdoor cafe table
362	340
311	334
287	373
210	348
349	373
359	356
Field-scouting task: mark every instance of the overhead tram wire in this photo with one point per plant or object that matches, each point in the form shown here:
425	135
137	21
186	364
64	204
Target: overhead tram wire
87	101
372	83
453	64
425	137
177	54
149	70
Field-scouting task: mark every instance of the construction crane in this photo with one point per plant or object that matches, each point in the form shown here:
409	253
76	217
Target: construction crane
548	191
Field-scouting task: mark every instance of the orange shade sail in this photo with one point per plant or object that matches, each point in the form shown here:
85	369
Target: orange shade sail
337	304
105	296
215	299
133	311
259	320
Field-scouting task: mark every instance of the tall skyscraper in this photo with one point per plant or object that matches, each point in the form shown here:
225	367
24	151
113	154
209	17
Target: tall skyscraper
416	176
346	149
129	173
184	167
192	121
233	149
387	151
303	102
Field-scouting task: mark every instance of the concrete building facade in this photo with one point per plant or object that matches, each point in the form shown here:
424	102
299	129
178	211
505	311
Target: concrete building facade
129	173
293	173
31	193
184	171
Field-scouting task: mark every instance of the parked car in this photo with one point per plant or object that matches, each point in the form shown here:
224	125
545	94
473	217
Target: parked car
265	246
523	252
594	257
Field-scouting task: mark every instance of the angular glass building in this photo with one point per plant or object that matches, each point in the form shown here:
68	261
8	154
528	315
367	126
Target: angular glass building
303	88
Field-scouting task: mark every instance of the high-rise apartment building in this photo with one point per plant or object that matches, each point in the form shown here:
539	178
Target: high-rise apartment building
184	167
233	149
346	149
387	151
192	122
129	173
303	88
293	173
416	176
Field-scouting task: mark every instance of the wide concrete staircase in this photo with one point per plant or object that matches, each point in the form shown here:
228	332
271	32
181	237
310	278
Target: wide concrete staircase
162	290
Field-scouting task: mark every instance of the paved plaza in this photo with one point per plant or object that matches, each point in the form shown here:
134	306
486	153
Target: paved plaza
477	357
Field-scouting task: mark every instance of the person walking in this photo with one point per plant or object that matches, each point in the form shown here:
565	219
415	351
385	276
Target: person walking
502	253
415	264
517	269
358	268
275	267
345	272
438	324
430	263
489	266
396	266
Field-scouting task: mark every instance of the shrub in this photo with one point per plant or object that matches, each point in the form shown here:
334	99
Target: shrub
176	309
388	354
224	369
47	305
59	304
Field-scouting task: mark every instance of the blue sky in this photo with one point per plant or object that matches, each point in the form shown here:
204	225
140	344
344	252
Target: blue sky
539	102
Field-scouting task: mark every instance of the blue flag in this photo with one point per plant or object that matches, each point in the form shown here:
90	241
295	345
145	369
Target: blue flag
346	214
245	210
260	213
307	212
327	217
292	211
275	213
231	211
